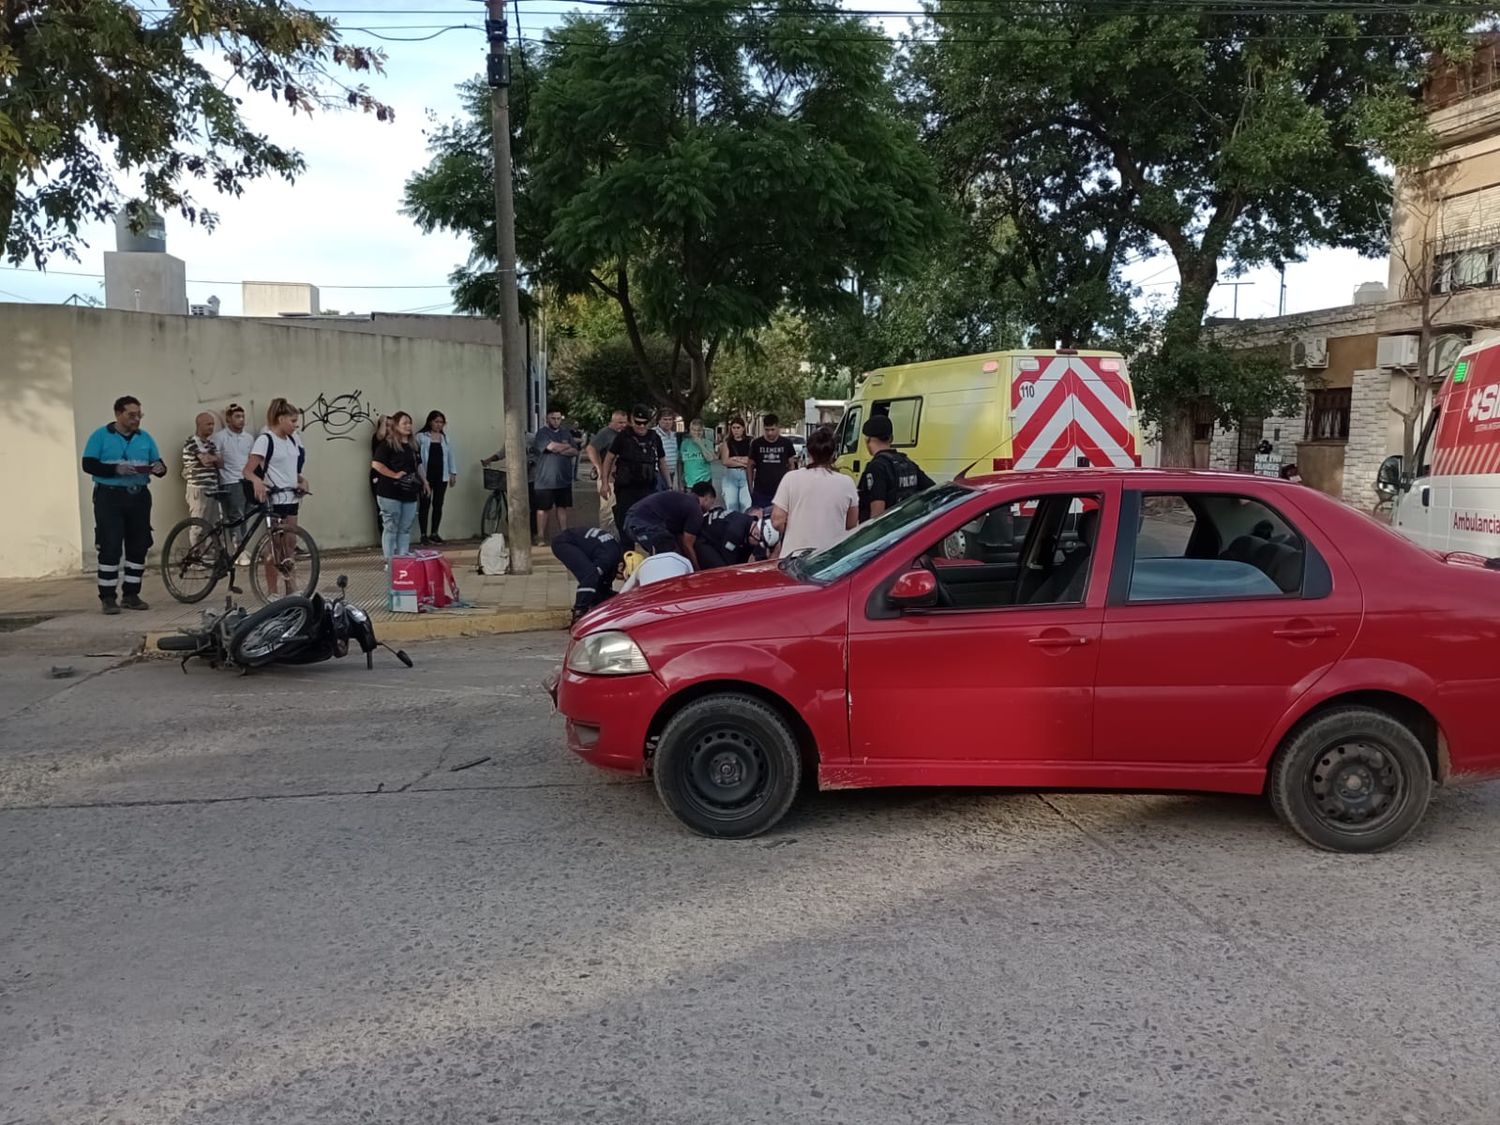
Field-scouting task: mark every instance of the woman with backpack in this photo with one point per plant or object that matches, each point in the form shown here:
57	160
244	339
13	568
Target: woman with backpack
397	462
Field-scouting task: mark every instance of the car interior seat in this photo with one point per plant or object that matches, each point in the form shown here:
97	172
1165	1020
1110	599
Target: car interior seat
1065	581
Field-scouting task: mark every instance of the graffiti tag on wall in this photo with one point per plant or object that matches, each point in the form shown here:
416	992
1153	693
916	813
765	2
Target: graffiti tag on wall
339	416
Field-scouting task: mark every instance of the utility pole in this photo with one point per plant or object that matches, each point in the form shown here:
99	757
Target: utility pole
1236	286
1281	305
517	500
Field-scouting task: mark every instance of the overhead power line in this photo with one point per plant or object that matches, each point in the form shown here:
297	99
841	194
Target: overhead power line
198	281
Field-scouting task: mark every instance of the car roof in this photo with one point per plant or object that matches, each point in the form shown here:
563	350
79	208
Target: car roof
1130	478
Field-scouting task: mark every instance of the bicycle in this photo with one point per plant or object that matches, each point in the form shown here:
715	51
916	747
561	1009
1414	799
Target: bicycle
198	554
495	513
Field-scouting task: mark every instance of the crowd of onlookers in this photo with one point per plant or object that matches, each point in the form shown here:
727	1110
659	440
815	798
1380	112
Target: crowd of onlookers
662	516
671	501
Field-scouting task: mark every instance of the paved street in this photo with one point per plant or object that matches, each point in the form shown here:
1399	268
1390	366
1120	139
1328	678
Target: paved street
277	899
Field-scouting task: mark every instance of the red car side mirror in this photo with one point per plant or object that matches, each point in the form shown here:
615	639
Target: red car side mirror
916	589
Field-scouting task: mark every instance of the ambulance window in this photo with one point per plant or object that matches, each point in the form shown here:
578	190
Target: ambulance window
1424	446
849	430
904	413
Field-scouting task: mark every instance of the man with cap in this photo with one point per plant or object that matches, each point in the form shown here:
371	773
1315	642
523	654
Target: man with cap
233	443
122	458
732	538
676	514
593	557
890	475
631	467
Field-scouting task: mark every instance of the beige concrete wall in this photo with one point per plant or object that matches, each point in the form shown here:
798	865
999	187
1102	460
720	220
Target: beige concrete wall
75	362
38	450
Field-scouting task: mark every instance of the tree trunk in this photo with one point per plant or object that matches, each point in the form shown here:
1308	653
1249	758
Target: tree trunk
1177	438
7	207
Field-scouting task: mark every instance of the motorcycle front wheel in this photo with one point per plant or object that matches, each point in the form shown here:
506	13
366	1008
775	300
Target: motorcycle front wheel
272	632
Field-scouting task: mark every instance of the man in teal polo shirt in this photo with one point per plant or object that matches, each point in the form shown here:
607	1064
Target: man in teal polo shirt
122	459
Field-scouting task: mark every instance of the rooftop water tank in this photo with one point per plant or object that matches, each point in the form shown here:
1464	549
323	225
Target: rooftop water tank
1370	293
149	233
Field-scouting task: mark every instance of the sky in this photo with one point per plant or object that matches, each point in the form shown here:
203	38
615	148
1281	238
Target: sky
339	227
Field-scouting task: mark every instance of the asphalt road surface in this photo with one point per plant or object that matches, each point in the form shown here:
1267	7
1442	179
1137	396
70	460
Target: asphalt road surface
277	899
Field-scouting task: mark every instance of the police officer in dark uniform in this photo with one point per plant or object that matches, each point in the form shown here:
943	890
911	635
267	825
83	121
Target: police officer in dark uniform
732	538
890	476
593	557
632	466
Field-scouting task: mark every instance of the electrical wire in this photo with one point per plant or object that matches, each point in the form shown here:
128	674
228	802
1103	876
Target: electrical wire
199	281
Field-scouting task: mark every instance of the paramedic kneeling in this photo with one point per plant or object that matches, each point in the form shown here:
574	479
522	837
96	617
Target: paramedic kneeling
593	557
732	538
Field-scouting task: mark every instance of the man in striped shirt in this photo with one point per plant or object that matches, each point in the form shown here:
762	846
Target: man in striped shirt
200	468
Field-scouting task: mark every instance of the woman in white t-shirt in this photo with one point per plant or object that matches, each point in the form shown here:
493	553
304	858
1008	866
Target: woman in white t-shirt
274	470
816	506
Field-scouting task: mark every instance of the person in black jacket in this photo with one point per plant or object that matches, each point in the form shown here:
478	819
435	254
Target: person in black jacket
890	476
732	538
594	558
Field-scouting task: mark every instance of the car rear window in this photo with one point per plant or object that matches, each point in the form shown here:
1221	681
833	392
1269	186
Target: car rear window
1211	546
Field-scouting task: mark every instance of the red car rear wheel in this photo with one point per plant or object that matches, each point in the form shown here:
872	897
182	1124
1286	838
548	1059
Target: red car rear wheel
1351	780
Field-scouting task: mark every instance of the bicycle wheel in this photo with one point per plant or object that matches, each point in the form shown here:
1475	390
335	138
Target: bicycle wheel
493	519
296	574
266	633
191	561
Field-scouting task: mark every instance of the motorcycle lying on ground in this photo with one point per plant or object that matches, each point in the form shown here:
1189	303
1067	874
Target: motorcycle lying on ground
291	630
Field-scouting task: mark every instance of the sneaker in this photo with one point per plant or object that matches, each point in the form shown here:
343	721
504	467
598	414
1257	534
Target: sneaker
435	539
424	541
111	608
133	601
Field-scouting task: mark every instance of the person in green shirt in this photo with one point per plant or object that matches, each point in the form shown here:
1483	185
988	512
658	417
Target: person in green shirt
696	455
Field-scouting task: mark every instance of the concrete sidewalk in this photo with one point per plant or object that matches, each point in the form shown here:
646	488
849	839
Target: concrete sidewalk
62	615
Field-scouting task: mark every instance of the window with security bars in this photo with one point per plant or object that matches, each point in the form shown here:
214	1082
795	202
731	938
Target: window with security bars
1328	415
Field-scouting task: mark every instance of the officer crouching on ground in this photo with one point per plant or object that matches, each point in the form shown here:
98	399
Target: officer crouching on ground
593	557
890	476
732	538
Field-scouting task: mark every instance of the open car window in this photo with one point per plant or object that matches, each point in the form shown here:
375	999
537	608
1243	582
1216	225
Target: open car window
1213	547
1026	553
870	540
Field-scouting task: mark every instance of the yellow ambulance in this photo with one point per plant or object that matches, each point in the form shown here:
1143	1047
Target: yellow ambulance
999	411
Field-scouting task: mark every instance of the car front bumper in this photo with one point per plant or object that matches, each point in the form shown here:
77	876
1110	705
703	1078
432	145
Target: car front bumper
607	716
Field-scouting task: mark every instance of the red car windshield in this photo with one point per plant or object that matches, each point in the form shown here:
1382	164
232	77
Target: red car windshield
870	540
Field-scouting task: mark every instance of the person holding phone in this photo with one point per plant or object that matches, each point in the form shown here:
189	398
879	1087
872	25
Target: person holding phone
122	458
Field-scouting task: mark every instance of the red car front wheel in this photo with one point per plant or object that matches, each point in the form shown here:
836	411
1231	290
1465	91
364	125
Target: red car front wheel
728	765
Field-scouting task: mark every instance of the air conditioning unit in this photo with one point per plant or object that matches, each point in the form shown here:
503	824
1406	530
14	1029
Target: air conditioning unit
1396	351
1310	351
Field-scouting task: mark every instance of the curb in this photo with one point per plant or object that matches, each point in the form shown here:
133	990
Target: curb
428	627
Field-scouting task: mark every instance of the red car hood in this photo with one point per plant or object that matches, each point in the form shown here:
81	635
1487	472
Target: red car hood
705	592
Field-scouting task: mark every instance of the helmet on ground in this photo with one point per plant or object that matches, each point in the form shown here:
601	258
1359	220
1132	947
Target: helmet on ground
633	559
768	533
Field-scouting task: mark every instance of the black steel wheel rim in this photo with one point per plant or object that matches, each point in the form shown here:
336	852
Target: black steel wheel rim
1357	787
727	771
268	635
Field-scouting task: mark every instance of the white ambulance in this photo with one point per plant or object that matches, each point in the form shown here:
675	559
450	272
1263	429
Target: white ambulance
1450	499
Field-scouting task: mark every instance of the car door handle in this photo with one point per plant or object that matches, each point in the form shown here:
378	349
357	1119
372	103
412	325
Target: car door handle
1305	632
1059	642
1426	497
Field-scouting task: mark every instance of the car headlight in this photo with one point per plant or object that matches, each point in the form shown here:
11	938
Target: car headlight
607	654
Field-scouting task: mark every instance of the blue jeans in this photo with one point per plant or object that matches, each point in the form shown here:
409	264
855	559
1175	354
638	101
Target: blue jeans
397	518
736	494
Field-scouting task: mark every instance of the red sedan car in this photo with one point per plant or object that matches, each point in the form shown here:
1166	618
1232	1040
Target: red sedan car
1078	629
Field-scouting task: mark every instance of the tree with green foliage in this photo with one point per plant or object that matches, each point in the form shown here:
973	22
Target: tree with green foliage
1241	133
770	373
91	88
701	166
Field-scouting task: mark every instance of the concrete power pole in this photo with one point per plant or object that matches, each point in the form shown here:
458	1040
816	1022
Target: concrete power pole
512	351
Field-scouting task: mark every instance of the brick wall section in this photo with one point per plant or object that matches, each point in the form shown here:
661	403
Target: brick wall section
1369	426
1282	433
